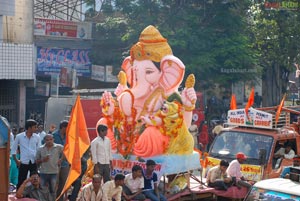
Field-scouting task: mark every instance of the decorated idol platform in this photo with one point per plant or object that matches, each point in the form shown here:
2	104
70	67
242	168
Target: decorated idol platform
147	117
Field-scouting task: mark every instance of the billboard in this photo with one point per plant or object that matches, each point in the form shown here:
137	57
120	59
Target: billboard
98	73
42	88
62	28
67	77
103	73
51	60
109	75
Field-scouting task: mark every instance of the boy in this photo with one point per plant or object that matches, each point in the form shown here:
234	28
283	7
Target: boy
151	183
134	184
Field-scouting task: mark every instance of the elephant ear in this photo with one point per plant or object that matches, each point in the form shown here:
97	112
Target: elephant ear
172	73
127	67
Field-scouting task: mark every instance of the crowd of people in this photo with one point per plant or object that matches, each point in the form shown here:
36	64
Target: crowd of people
39	169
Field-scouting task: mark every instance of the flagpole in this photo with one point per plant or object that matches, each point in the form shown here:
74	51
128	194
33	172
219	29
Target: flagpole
77	142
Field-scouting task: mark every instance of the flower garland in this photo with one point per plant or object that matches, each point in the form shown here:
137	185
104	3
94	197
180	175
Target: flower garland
167	130
122	125
126	128
203	158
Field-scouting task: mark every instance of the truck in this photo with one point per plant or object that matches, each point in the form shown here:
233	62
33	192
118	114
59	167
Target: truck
257	134
59	108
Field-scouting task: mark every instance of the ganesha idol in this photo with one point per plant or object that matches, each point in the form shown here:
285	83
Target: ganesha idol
149	117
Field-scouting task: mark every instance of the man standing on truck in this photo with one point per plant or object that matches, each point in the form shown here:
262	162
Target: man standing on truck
234	171
102	153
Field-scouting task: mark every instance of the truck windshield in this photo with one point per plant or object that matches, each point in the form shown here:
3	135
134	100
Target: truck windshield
228	143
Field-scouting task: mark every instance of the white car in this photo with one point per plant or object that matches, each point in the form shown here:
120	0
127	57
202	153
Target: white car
274	189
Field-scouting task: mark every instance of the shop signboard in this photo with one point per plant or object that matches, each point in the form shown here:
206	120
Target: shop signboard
51	60
42	88
109	75
62	28
98	73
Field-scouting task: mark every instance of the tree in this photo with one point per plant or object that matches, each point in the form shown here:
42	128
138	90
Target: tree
208	36
276	37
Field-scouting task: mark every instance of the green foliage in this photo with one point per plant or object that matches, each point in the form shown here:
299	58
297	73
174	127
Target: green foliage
207	36
276	37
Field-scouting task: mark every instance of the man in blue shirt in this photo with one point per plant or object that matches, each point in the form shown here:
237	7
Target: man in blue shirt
151	183
60	138
286	171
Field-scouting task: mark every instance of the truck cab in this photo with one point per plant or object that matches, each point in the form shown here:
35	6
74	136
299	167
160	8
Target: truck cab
259	138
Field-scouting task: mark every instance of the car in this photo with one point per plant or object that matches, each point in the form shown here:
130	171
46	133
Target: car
274	189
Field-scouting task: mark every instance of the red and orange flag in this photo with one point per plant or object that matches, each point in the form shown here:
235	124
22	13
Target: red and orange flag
279	109
250	101
77	142
233	102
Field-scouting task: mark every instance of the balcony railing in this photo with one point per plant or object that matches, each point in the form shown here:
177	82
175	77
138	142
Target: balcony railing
17	61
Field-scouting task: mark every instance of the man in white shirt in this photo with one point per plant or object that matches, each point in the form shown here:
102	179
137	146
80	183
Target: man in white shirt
113	189
29	142
91	191
41	132
217	176
134	184
101	153
285	152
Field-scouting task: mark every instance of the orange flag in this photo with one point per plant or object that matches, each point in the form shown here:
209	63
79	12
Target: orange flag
233	102
77	142
250	101
279	109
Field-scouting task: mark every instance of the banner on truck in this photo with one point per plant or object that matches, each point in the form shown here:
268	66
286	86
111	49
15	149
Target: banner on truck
255	118
125	166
